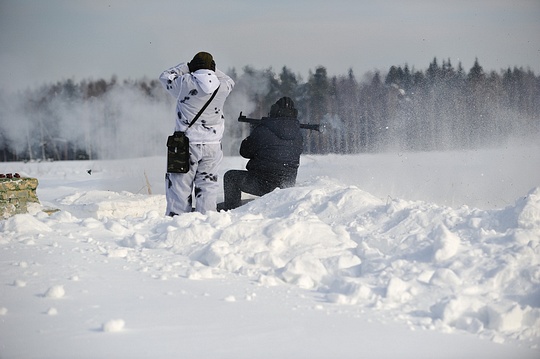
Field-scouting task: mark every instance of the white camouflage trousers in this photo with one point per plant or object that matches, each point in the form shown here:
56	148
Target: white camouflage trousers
200	181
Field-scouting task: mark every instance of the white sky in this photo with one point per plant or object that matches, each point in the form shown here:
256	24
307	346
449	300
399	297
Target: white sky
52	40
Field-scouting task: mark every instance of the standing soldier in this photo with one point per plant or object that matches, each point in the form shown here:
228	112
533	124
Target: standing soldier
197	84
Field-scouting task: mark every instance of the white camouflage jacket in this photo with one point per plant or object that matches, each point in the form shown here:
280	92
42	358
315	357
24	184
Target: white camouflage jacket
191	91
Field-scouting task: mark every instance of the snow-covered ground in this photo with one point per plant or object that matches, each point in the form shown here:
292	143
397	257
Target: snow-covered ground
397	255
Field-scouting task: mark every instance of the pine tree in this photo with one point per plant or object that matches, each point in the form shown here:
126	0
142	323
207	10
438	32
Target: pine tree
288	83
318	86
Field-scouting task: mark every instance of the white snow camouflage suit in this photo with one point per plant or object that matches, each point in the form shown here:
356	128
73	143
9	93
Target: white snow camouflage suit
192	91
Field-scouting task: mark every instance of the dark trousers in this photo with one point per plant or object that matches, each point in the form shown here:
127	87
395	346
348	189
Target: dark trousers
236	181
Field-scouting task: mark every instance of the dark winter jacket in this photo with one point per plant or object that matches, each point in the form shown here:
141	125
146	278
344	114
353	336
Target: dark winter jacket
274	149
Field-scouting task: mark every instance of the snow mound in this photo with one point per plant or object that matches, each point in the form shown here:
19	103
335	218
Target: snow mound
465	269
101	204
114	325
23	224
56	291
528	210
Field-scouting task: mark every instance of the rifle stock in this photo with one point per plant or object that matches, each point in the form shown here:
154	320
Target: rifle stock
258	121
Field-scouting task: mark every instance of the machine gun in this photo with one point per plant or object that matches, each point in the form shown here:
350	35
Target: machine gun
306	126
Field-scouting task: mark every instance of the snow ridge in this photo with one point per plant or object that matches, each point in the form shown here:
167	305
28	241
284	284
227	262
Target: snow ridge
430	266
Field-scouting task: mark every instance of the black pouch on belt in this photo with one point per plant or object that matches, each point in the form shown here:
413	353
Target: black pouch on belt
178	153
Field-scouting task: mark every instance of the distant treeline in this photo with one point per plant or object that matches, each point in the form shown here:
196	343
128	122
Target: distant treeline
441	108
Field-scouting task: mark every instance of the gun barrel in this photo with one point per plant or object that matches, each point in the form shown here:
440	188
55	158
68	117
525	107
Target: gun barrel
256	121
253	121
309	126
